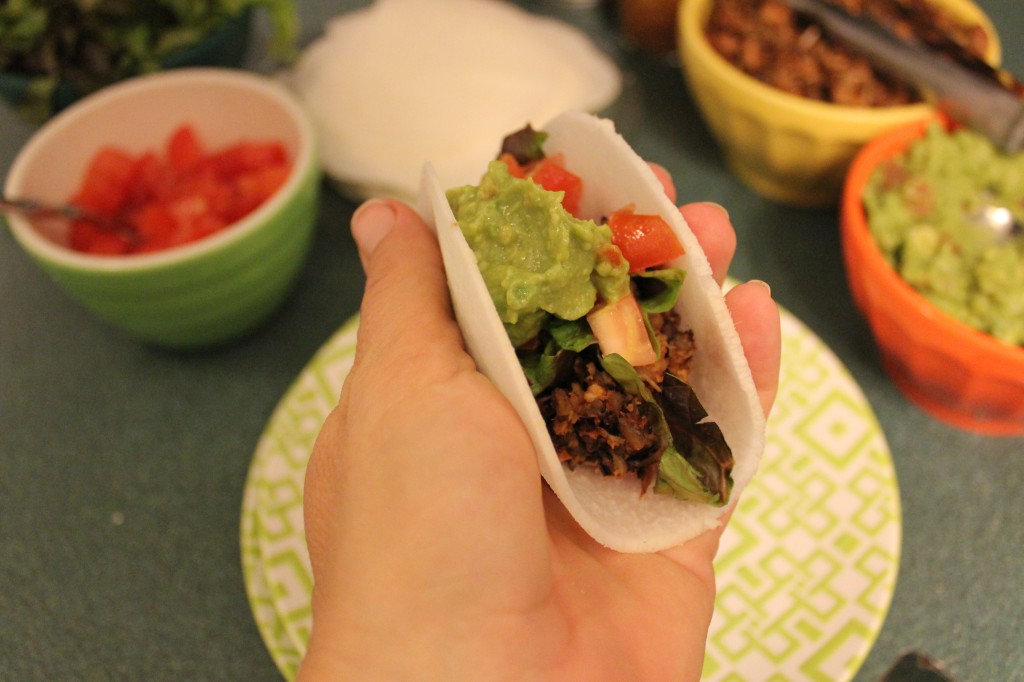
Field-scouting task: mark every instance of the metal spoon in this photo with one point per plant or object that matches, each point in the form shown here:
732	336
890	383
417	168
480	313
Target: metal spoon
1000	220
31	208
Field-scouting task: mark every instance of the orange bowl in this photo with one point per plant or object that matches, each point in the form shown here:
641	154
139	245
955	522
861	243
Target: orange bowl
954	372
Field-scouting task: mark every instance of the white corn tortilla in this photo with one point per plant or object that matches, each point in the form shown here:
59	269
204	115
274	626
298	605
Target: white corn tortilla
612	510
399	81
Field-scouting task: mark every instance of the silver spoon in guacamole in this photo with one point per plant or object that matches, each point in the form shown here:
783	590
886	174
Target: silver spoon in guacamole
1000	220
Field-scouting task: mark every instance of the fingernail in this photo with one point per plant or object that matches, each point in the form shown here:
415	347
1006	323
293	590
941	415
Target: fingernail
762	283
718	206
371	223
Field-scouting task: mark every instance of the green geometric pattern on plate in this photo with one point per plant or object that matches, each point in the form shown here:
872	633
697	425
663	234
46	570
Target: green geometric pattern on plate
279	643
281	458
808	563
806	568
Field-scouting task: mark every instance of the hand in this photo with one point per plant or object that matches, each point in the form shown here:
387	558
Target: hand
437	552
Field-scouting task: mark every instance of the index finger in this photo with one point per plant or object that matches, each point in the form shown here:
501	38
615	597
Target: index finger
710	224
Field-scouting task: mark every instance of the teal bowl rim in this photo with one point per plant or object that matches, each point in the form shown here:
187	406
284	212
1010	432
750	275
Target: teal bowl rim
44	249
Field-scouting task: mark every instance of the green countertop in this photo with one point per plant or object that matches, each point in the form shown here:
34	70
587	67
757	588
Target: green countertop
122	467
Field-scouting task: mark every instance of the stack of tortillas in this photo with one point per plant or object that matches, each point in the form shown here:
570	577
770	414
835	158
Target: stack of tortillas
403	82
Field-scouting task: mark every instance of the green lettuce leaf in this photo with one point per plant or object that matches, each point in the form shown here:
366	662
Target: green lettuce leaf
696	466
698	442
574	335
543	367
565	338
525	145
626	376
659	289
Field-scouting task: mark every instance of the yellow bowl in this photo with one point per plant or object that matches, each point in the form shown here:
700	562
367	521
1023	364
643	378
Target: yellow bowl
790	149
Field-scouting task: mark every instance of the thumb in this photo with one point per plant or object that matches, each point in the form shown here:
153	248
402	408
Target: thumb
405	316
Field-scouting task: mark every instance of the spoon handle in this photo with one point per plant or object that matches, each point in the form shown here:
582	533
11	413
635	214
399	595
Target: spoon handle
36	209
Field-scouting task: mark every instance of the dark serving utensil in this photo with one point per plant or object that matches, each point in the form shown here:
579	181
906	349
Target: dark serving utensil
916	667
969	90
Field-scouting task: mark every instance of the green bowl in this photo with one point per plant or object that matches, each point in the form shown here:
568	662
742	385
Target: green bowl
205	293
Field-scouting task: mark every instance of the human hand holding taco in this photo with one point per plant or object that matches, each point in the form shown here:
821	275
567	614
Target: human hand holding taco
436	552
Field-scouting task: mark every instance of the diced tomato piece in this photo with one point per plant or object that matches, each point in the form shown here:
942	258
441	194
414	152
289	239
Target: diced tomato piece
153	221
272	178
611	255
187	210
645	240
206	224
255	187
550	173
248	156
183	148
107	179
515	169
203	183
109	244
148	174
88	237
220	197
158	243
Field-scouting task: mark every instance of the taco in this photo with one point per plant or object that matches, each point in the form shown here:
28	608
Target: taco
621	358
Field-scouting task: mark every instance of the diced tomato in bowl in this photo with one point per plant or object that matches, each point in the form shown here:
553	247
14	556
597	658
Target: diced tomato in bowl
168	151
175	197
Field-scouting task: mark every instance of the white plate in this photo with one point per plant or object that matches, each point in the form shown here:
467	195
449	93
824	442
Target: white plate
806	569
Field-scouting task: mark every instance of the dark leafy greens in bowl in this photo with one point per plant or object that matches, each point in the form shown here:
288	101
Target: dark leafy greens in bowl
52	52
